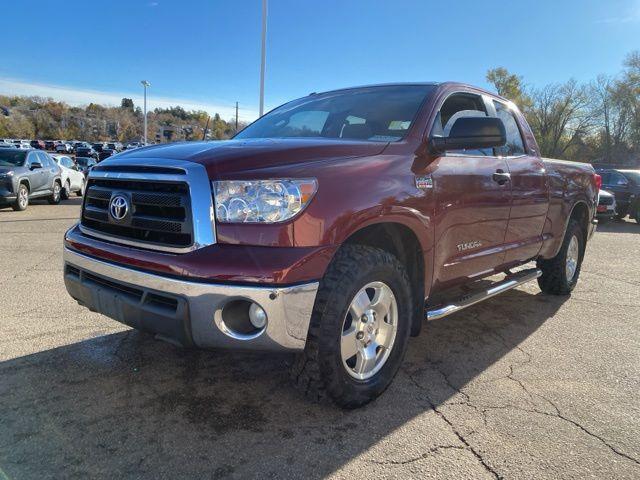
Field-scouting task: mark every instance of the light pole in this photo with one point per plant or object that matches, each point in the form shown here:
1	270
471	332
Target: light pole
264	48
145	84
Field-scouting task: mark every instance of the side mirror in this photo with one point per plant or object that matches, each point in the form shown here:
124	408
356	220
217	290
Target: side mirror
35	165
471	133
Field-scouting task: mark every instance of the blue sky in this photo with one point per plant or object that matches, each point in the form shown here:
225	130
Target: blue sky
205	53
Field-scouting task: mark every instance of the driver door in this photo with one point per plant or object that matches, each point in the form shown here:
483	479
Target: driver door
37	177
471	203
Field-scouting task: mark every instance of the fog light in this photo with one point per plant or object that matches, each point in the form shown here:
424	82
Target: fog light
257	316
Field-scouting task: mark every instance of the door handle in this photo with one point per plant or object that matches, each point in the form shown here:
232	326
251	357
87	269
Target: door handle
501	177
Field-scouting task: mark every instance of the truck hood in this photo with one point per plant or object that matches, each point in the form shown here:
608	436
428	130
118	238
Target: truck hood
229	156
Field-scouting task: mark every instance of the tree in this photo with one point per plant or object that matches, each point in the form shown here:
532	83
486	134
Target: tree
509	86
560	117
127	104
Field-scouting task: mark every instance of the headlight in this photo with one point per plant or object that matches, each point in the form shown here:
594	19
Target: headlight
6	174
261	201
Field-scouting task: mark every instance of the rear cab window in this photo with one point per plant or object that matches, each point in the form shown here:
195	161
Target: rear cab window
515	145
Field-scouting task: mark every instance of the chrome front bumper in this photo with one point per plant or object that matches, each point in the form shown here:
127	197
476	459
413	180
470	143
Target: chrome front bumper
186	312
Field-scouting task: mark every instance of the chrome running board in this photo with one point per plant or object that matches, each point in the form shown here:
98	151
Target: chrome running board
510	281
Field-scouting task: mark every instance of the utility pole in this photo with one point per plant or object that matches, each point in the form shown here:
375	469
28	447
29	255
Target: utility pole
145	84
236	117
264	48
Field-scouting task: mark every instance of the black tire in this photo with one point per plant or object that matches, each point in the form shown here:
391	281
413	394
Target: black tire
319	371
80	192
54	198
22	199
554	279
620	214
66	191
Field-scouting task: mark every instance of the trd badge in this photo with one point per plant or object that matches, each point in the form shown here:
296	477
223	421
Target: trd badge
424	182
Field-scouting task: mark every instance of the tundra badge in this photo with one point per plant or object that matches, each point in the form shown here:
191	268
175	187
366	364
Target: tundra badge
469	245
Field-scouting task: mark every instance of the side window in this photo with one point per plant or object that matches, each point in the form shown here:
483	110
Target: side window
457	106
32	157
44	159
618	180
514	145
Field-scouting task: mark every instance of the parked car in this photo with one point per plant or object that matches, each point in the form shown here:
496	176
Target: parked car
73	179
327	225
117	146
133	145
606	206
86	152
77	145
85	164
106	153
64	148
625	185
50	145
22	144
6	145
37	144
25	175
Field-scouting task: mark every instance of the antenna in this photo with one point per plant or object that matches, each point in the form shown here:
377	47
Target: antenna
206	127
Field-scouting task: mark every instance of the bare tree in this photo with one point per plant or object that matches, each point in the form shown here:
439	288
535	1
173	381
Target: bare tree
560	117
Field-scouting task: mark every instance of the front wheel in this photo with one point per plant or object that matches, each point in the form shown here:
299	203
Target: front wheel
22	199
560	273
80	192
359	328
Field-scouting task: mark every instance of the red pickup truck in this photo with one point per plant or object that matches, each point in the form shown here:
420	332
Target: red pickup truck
332	226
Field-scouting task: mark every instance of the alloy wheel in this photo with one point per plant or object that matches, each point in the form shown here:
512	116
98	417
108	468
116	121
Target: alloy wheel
369	330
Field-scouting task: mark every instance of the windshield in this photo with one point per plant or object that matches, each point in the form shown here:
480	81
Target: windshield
632	175
12	158
381	114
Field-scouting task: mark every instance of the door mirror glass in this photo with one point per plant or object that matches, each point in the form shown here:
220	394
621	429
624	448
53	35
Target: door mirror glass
471	133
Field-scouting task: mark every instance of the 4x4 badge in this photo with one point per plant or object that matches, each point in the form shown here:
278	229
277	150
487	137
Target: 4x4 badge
424	181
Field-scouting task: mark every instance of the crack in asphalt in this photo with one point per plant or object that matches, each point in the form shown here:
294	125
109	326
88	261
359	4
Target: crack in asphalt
422	456
628	282
456	432
557	413
31	268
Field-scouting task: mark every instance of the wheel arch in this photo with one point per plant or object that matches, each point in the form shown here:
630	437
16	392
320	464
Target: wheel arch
405	244
25	180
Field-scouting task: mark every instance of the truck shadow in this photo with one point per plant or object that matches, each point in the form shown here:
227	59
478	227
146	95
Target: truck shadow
619	226
126	405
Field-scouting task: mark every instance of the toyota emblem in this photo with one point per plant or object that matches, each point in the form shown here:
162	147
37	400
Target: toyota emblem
118	207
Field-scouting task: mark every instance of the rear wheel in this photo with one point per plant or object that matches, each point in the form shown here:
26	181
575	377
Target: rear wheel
80	192
620	214
22	199
560	273
359	328
54	198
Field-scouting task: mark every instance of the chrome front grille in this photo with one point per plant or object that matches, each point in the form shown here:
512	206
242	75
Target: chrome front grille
606	201
160	211
169	204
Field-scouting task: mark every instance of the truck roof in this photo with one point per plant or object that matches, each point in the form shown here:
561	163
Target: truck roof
399	84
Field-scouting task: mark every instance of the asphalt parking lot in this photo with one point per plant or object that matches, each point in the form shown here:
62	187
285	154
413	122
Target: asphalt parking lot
522	386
